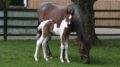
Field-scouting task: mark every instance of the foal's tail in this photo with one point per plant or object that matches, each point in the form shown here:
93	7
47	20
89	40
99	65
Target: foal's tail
39	31
38	34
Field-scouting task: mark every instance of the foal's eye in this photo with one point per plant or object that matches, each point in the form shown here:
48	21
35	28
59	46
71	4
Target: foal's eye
69	23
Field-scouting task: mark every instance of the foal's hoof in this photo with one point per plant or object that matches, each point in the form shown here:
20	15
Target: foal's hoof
86	61
36	60
50	57
62	61
46	60
68	61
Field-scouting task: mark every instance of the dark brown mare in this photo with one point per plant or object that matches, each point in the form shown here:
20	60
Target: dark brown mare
59	13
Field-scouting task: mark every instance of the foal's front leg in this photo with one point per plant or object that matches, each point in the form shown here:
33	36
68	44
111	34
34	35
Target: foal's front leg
62	47
66	52
61	53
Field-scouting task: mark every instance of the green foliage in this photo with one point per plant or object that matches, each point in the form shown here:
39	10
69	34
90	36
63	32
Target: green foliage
8	2
19	53
15	2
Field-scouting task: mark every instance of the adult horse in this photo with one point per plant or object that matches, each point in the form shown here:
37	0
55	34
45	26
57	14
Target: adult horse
76	25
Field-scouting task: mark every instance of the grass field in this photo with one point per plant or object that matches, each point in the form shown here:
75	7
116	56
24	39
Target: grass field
19	53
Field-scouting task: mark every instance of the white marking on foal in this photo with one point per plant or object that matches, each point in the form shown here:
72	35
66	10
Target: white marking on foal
70	17
42	24
60	30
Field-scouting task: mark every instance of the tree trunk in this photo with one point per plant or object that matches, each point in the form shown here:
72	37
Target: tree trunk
1	4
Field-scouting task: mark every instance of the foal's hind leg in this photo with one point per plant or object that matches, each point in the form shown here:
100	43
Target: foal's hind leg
44	43
38	43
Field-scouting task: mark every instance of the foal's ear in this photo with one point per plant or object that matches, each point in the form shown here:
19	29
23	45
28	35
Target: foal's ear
70	11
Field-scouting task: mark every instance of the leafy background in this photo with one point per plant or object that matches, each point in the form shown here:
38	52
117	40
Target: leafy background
15	2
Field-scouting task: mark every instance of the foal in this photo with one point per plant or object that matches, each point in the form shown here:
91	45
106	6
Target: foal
50	27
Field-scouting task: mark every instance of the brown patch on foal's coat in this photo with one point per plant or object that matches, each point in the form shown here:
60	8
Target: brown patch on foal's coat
57	15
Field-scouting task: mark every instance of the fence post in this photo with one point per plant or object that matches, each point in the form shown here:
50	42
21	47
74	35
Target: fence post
5	19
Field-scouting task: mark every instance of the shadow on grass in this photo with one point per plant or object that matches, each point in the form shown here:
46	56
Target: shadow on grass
104	61
75	59
97	62
93	61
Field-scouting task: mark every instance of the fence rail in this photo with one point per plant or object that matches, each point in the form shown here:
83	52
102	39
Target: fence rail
5	25
107	26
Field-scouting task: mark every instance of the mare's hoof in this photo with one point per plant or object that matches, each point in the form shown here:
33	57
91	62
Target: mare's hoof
86	61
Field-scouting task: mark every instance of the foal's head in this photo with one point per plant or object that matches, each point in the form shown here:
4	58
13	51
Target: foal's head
67	19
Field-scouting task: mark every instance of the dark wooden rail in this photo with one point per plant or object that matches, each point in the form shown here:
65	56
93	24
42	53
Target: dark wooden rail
5	26
99	18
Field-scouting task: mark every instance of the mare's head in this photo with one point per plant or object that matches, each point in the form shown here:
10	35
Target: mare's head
77	22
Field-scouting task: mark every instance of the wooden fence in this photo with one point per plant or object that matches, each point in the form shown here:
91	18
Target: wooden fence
5	25
107	18
34	4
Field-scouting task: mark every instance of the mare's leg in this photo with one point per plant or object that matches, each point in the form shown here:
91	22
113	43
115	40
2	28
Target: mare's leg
44	48
38	43
84	49
66	51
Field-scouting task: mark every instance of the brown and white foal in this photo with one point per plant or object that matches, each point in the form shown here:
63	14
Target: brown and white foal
63	30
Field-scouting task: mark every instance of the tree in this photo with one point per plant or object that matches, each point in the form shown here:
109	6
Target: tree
1	4
16	2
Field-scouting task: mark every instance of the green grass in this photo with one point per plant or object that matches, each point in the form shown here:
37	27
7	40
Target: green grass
19	53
